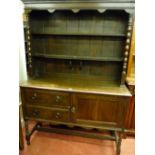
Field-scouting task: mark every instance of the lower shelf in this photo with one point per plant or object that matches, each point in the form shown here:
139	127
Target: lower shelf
113	135
78	132
88	127
73	57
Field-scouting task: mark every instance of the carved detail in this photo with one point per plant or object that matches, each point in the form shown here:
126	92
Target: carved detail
118	145
129	34
127	47
129	11
87	128
30	61
125	64
30	65
126	53
51	10
28	32
28	39
101	10
75	10
28	11
124	72
128	41
129	28
125	59
70	126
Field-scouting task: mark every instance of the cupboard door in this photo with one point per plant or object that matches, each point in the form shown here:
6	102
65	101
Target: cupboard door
99	110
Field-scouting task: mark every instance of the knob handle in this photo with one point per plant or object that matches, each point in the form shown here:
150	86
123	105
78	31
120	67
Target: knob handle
70	65
57	115
34	96
81	65
35	113
57	99
73	109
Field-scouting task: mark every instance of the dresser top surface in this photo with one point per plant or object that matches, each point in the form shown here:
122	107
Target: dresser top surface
74	86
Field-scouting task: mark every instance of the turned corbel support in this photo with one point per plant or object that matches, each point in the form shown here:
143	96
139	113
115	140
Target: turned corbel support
127	45
28	38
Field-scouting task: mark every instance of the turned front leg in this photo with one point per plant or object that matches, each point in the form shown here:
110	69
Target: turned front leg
118	146
118	143
27	132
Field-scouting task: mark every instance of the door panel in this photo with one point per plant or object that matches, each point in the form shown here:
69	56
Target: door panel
99	110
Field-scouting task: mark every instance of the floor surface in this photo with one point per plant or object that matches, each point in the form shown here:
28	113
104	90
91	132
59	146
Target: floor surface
43	143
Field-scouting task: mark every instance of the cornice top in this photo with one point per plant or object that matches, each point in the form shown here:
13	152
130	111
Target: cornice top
79	4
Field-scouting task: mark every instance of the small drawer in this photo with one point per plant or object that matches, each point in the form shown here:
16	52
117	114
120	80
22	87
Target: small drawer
48	114
46	98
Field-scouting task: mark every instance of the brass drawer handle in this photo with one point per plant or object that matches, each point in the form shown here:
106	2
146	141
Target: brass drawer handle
71	65
73	110
34	96
35	113
58	115
57	99
81	65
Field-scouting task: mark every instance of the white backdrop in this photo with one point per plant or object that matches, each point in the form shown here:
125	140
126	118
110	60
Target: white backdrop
22	62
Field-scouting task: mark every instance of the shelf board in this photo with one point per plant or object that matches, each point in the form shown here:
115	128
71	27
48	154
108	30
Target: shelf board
78	57
79	34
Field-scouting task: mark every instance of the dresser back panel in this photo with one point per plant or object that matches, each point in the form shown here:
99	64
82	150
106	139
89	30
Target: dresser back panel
78	69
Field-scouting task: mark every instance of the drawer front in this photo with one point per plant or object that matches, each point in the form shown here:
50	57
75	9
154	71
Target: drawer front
46	98
47	114
99	110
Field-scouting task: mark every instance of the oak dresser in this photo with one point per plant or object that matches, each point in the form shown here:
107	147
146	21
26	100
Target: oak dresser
77	55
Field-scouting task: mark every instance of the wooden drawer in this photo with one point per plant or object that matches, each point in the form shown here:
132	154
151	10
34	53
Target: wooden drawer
46	98
47	114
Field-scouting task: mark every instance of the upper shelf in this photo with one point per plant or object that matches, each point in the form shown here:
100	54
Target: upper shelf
78	34
87	23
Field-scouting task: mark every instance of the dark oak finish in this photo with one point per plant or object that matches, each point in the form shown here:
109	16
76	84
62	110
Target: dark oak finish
76	85
37	97
79	107
82	23
130	81
107	51
77	54
21	138
131	62
130	119
88	109
76	5
47	113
